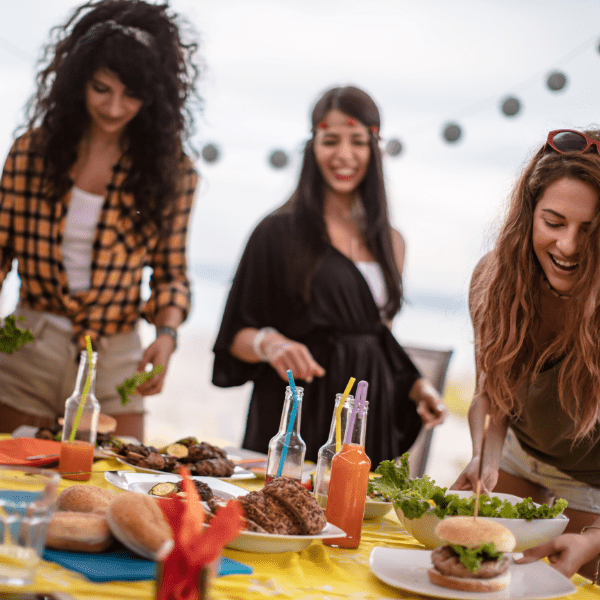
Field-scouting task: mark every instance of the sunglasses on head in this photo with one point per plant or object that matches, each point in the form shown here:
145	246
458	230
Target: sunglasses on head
569	140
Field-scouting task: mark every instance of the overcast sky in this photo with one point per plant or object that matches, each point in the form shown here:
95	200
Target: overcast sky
425	63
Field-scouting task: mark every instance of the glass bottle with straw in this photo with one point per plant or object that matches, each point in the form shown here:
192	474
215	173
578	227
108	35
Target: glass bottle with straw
287	448
350	469
80	427
344	403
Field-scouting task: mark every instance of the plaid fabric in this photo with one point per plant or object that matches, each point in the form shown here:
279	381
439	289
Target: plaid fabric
31	230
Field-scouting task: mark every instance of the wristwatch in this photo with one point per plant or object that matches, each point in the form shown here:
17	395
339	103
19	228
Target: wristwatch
169	331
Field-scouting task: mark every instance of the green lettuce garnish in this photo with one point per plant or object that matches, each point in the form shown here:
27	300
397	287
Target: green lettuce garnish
473	557
128	387
414	496
11	337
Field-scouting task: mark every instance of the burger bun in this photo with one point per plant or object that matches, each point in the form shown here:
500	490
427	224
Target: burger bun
469	584
471	533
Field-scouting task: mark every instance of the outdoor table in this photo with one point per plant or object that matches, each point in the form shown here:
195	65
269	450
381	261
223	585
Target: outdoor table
317	572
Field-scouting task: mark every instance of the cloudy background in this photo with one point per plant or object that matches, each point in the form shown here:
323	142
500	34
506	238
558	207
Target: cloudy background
425	63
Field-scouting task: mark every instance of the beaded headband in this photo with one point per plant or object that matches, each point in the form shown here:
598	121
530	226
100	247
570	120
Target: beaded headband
139	35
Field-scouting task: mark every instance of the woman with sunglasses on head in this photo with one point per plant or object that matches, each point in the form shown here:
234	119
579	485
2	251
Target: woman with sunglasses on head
535	306
97	188
316	290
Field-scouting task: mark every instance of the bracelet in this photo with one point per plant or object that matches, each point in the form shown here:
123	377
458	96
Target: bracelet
169	331
258	339
597	573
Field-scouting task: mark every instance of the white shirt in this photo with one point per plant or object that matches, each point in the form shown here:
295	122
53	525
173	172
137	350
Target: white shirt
373	274
78	239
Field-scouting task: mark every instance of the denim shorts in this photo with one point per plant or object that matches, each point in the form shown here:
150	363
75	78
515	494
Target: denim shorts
41	375
579	495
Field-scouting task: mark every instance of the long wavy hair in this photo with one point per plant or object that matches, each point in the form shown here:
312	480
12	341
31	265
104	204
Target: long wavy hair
307	200
163	74
505	302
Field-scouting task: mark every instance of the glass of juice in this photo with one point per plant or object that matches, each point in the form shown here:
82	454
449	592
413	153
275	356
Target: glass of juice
76	459
27	503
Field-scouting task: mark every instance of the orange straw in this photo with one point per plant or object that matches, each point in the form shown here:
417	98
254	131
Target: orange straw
338	415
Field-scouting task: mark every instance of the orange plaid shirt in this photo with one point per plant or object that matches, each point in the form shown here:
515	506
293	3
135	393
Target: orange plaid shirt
31	230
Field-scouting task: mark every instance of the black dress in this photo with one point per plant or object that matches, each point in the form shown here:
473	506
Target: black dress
341	327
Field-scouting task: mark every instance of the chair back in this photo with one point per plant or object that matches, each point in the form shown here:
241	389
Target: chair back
433	365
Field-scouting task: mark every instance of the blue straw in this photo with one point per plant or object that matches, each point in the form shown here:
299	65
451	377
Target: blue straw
361	394
291	423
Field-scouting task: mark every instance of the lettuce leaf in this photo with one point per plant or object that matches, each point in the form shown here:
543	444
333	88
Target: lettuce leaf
473	557
416	496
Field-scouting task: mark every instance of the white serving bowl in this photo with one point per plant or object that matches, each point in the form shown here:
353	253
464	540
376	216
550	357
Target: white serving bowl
527	533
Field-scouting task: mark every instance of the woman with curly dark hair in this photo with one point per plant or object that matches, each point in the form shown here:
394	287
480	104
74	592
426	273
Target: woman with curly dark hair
535	306
316	290
97	188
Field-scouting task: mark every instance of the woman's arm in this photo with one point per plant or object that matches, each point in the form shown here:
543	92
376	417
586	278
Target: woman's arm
480	407
255	345
567	553
160	350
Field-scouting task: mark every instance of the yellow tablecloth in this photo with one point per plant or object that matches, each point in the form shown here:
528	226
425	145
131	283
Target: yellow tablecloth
319	572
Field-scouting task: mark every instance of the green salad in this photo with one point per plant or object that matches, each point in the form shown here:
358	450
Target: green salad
416	496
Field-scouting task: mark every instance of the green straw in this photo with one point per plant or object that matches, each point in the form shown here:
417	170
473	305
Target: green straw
291	423
86	389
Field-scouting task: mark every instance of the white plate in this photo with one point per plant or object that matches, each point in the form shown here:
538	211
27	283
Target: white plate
407	569
238	472
251	541
377	508
142	482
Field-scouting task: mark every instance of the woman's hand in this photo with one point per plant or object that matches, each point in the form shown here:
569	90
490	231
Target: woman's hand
283	354
430	405
467	480
157	353
566	553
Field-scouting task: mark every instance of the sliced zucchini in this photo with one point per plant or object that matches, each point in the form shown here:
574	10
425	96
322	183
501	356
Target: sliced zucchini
163	489
177	450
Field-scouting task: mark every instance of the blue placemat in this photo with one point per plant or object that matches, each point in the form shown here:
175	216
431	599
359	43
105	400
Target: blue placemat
122	565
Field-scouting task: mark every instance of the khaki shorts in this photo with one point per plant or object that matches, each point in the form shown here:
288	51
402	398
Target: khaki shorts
38	378
516	461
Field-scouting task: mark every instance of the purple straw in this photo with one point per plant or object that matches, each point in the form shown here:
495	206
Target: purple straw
361	394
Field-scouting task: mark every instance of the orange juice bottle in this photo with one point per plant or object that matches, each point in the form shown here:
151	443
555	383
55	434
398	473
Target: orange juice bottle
81	415
347	493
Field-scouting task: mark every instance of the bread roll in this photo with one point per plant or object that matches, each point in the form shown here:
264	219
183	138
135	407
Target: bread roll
470	584
138	523
84	532
85	498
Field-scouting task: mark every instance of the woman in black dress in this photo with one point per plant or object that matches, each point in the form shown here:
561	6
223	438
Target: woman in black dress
316	290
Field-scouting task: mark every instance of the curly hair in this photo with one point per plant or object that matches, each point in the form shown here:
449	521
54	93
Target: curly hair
161	72
307	199
505	302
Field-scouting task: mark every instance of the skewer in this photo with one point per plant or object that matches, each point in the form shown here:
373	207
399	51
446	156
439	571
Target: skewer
486	426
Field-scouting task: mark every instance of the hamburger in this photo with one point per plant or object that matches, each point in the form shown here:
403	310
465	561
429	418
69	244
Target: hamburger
472	559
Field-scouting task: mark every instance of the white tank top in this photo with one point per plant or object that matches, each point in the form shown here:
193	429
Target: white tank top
78	240
373	274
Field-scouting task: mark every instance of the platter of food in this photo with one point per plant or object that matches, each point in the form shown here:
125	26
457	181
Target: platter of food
143	482
406	569
201	458
238	472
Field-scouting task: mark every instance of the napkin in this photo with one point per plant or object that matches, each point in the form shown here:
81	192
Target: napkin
15	451
122	565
